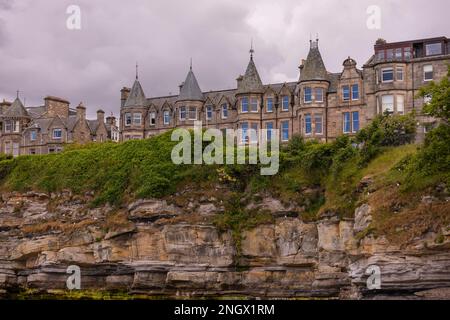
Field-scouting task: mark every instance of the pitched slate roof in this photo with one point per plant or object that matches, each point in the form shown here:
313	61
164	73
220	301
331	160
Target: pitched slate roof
314	68
250	81
190	90
136	96
16	110
93	125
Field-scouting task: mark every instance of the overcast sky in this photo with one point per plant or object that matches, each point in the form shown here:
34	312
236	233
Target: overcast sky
40	56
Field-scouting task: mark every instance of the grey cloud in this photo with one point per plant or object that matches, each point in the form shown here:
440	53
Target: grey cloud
41	57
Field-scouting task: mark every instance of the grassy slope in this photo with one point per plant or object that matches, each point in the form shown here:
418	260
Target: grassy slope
322	177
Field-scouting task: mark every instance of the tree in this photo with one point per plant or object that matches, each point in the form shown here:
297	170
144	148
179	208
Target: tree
439	104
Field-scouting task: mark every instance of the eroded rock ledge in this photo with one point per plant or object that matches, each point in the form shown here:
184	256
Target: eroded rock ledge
156	248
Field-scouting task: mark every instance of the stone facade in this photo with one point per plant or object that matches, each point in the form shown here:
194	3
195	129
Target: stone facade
45	129
320	105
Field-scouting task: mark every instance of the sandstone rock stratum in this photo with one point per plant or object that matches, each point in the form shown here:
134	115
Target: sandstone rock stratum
155	248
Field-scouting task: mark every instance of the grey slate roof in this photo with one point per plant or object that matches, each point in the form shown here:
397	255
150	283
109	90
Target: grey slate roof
36	112
251	82
190	90
16	110
41	123
136	96
314	68
93	125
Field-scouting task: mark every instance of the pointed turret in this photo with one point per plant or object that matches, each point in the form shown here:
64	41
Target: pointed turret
16	110
250	82
313	68
190	90
136	97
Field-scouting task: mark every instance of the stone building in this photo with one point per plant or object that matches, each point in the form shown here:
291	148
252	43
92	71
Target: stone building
320	105
45	129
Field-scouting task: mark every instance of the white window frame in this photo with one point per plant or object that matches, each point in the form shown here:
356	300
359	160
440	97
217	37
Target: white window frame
343	122
242	104
166	113
310	121
351	91
31	135
288	102
253	103
267	104
382	73
304	95
425	72
129	116
383	103
16	126
317	116
189	113
400	101
315	94
283	129
53	133
397	69
8	126
181	113
136	116
152	116
223	108
209	109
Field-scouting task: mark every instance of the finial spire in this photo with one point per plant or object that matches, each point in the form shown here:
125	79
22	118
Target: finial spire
137	71
18	94
190	66
251	49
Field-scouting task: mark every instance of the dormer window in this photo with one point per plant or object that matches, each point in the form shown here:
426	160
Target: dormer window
33	135
152	118
224	111
166	117
285	103
433	49
57	133
346	93
269	104
355	92
209	112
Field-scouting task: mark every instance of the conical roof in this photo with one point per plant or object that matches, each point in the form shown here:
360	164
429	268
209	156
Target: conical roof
16	110
136	96
314	68
250	82
190	90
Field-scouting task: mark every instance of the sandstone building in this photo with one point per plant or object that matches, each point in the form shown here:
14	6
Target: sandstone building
45	129
320	105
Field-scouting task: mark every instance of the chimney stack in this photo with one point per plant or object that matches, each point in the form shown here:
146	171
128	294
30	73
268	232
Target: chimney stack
100	115
81	112
124	93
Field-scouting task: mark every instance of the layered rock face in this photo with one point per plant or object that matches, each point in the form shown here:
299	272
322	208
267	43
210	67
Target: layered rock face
160	249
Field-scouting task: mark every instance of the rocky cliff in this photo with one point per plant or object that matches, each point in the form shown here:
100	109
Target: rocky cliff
158	248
